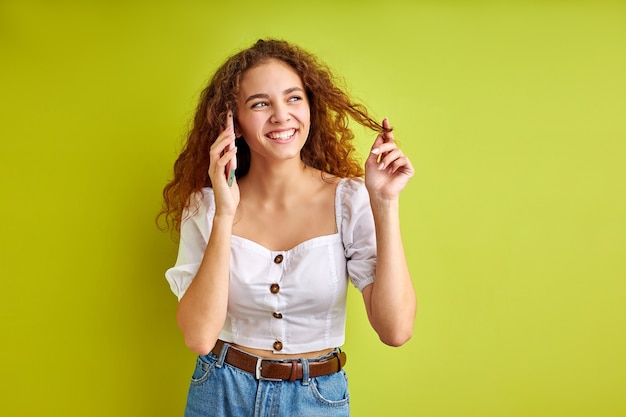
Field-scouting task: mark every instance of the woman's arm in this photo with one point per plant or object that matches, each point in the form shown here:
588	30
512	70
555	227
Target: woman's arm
202	309
390	301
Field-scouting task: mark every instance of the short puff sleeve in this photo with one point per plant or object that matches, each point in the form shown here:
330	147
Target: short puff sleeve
357	231
194	236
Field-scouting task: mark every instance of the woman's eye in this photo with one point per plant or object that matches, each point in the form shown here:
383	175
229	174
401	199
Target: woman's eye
259	104
295	98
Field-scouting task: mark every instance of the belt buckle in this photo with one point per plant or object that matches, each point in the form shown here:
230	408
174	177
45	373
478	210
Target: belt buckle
257	372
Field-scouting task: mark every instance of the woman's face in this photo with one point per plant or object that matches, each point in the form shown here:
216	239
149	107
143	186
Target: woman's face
273	112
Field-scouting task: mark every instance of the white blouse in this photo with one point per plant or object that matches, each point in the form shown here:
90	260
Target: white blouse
290	301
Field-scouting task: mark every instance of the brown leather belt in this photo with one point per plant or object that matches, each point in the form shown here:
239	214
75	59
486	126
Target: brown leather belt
276	370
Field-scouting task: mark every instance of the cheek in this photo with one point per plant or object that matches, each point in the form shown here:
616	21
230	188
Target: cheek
250	124
304	115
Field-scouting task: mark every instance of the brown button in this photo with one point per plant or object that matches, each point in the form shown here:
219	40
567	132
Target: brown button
278	259
274	288
277	315
278	345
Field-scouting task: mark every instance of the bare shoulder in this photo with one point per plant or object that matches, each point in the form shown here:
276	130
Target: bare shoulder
324	179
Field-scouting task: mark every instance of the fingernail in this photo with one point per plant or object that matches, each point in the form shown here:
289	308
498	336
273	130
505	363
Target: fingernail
381	166
375	151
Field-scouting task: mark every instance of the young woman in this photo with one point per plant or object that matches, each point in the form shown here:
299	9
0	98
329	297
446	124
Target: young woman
266	254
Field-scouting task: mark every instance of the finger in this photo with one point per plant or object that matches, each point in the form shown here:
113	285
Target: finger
376	151
387	134
222	146
402	165
385	147
219	162
389	158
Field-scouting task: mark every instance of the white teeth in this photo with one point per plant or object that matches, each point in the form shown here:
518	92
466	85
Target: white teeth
282	135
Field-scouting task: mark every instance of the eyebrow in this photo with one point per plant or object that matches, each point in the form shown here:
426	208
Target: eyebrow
287	91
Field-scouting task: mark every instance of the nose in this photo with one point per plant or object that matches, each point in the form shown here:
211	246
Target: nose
280	113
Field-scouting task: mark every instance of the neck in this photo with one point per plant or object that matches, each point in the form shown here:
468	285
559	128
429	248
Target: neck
276	180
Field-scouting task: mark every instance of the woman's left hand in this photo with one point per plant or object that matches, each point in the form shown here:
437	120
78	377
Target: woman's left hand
387	169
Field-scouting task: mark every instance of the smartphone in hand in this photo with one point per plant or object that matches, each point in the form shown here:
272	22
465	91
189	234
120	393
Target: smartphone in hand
232	164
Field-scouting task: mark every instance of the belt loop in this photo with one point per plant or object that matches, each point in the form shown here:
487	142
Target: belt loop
257	368
294	371
337	355
222	357
305	371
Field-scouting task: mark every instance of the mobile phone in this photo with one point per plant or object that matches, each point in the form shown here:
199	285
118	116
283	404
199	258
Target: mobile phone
232	165
231	177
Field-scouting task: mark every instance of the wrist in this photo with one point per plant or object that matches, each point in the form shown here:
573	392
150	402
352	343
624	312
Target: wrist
384	203
225	213
384	208
223	219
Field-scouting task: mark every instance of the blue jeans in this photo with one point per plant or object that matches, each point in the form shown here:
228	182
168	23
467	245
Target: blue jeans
221	390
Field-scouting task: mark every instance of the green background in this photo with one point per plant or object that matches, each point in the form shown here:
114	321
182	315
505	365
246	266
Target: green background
512	112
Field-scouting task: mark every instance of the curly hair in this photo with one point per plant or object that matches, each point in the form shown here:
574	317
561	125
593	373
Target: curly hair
328	147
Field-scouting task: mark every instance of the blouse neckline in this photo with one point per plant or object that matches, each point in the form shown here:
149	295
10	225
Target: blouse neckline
314	241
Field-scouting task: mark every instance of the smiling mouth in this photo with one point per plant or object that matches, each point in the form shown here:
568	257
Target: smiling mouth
285	135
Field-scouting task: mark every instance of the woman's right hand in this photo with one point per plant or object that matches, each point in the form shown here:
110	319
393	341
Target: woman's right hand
223	159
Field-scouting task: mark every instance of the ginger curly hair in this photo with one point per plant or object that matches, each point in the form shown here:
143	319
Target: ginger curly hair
328	148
